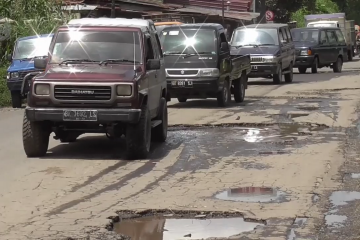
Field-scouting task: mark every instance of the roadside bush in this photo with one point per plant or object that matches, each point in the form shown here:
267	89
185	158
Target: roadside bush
5	99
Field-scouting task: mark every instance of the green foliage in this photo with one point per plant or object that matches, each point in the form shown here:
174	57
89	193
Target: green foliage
5	99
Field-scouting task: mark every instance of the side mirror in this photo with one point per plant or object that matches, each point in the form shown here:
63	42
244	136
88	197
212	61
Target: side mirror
40	63
153	64
224	46
9	57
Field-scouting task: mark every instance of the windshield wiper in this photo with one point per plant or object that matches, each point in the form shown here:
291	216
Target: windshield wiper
266	44
193	54
117	61
172	53
244	45
76	61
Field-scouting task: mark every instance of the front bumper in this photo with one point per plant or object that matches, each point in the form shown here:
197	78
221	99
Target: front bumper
304	61
197	87
263	69
14	85
103	115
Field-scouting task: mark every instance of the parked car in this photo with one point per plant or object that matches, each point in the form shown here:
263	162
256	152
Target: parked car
319	47
199	65
271	48
22	63
102	76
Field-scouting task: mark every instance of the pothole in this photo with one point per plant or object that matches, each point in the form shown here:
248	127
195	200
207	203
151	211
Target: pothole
169	225
296	115
308	108
253	194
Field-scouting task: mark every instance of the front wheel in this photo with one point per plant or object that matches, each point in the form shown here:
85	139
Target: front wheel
16	99
337	66
159	133
277	78
35	138
239	89
224	96
138	136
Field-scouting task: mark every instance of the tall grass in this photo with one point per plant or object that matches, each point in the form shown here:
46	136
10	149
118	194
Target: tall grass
31	17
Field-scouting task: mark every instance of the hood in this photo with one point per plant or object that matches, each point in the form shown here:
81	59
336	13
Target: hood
21	65
250	50
196	61
89	72
305	44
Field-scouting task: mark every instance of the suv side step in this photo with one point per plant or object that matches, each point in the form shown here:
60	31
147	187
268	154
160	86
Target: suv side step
155	123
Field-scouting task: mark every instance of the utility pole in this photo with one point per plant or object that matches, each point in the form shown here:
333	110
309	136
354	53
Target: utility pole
223	12
113	15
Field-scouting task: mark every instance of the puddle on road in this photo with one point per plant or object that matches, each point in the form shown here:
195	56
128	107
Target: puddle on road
355	175
158	228
308	108
253	194
335	220
300	221
341	198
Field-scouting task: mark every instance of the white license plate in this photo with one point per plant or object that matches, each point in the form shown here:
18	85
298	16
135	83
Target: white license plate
182	83
80	115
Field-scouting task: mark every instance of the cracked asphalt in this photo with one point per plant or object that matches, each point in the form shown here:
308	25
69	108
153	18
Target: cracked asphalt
301	139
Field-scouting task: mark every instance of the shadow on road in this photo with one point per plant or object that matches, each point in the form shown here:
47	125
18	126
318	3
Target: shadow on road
99	148
210	104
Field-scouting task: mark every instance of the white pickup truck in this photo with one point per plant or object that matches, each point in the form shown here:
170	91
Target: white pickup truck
336	20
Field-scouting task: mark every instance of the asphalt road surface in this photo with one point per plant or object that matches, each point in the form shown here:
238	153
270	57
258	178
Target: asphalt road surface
284	164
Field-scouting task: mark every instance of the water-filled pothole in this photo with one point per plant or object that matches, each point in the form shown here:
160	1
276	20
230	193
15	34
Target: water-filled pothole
253	194
169	225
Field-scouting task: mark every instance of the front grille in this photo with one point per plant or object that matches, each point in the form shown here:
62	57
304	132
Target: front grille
67	92
256	59
182	72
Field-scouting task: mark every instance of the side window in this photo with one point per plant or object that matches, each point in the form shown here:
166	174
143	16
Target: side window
284	34
281	36
331	36
223	39
323	38
288	33
149	49
340	36
159	45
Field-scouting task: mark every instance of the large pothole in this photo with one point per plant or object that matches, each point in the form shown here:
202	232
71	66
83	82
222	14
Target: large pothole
170	225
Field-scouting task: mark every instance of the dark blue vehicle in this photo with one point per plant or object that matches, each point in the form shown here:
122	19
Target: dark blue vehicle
22	63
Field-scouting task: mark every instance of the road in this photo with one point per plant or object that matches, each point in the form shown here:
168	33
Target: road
289	154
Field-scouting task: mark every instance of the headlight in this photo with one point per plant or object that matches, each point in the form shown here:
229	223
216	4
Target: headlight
42	89
124	90
213	72
8	76
305	52
268	59
14	75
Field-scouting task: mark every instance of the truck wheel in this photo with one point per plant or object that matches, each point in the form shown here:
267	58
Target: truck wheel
16	100
138	136
289	76
302	70
35	138
350	55
337	66
239	89
159	133
314	67
277	78
69	137
182	99
224	96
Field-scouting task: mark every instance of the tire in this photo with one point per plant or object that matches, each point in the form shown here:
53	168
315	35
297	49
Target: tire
16	99
350	55
302	70
277	78
159	133
138	137
315	66
337	66
224	96
35	138
69	137
289	76
182	99
239	89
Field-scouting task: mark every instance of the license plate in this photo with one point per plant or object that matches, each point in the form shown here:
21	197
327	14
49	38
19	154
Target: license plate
182	83
80	115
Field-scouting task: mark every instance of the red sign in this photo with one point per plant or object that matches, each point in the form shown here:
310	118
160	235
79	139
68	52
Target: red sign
269	15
